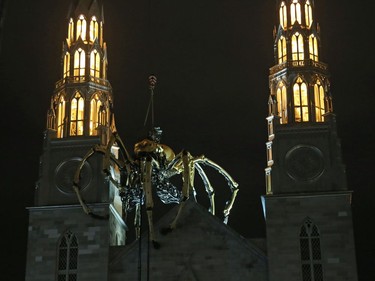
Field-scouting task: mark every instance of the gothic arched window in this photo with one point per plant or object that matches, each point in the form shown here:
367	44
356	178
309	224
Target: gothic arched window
295	12
94	29
95	64
281	49
60	117
301	109
79	62
311	256
283	15
308	14
81	27
67	263
94	115
281	97
313	47
77	115
66	64
319	102
70	31
297	47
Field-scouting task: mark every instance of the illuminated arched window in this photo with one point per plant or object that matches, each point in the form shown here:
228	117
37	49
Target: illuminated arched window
319	102
308	14
311	256
77	115
281	97
94	29
313	47
66	64
79	62
81	27
301	109
67	264
297	47
103	120
283	15
94	114
60	117
70	31
281	49
95	63
295	12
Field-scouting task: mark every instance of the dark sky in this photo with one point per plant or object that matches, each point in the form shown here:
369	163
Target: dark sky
211	59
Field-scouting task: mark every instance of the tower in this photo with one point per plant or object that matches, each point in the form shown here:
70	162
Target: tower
307	206
80	117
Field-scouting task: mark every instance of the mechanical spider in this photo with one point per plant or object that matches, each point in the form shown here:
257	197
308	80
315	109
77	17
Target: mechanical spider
153	166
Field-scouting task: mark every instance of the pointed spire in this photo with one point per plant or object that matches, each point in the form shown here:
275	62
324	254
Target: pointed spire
86	7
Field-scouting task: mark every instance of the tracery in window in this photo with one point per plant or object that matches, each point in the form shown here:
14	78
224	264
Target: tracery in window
281	49
308	14
313	47
319	102
311	256
70	31
77	115
67	264
79	62
66	64
301	109
281	97
297	47
81	27
95	64
94	29
295	12
94	115
283	15
60	117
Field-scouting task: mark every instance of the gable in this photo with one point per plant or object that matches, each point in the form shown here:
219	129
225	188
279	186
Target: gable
200	248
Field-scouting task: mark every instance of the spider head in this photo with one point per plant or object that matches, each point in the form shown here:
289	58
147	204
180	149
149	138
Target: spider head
155	134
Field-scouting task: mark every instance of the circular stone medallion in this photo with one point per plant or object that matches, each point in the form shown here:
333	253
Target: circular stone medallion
64	175
304	162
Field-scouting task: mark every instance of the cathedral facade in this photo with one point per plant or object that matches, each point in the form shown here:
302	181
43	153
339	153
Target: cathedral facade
78	227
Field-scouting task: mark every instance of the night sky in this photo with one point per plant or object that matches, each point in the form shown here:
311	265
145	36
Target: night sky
212	61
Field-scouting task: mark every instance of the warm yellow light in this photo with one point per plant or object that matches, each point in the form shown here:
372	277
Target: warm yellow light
76	115
95	64
281	97
313	47
281	46
319	102
66	64
297	47
308	14
301	109
94	29
79	62
60	117
81	27
283	16
295	12
94	114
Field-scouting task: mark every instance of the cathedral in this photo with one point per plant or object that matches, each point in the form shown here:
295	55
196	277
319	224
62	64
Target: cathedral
79	226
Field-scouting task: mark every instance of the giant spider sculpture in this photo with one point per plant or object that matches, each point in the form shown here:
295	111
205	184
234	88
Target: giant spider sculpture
152	167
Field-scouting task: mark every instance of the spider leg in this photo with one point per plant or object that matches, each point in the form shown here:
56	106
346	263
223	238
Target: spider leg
232	184
187	187
209	189
146	169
